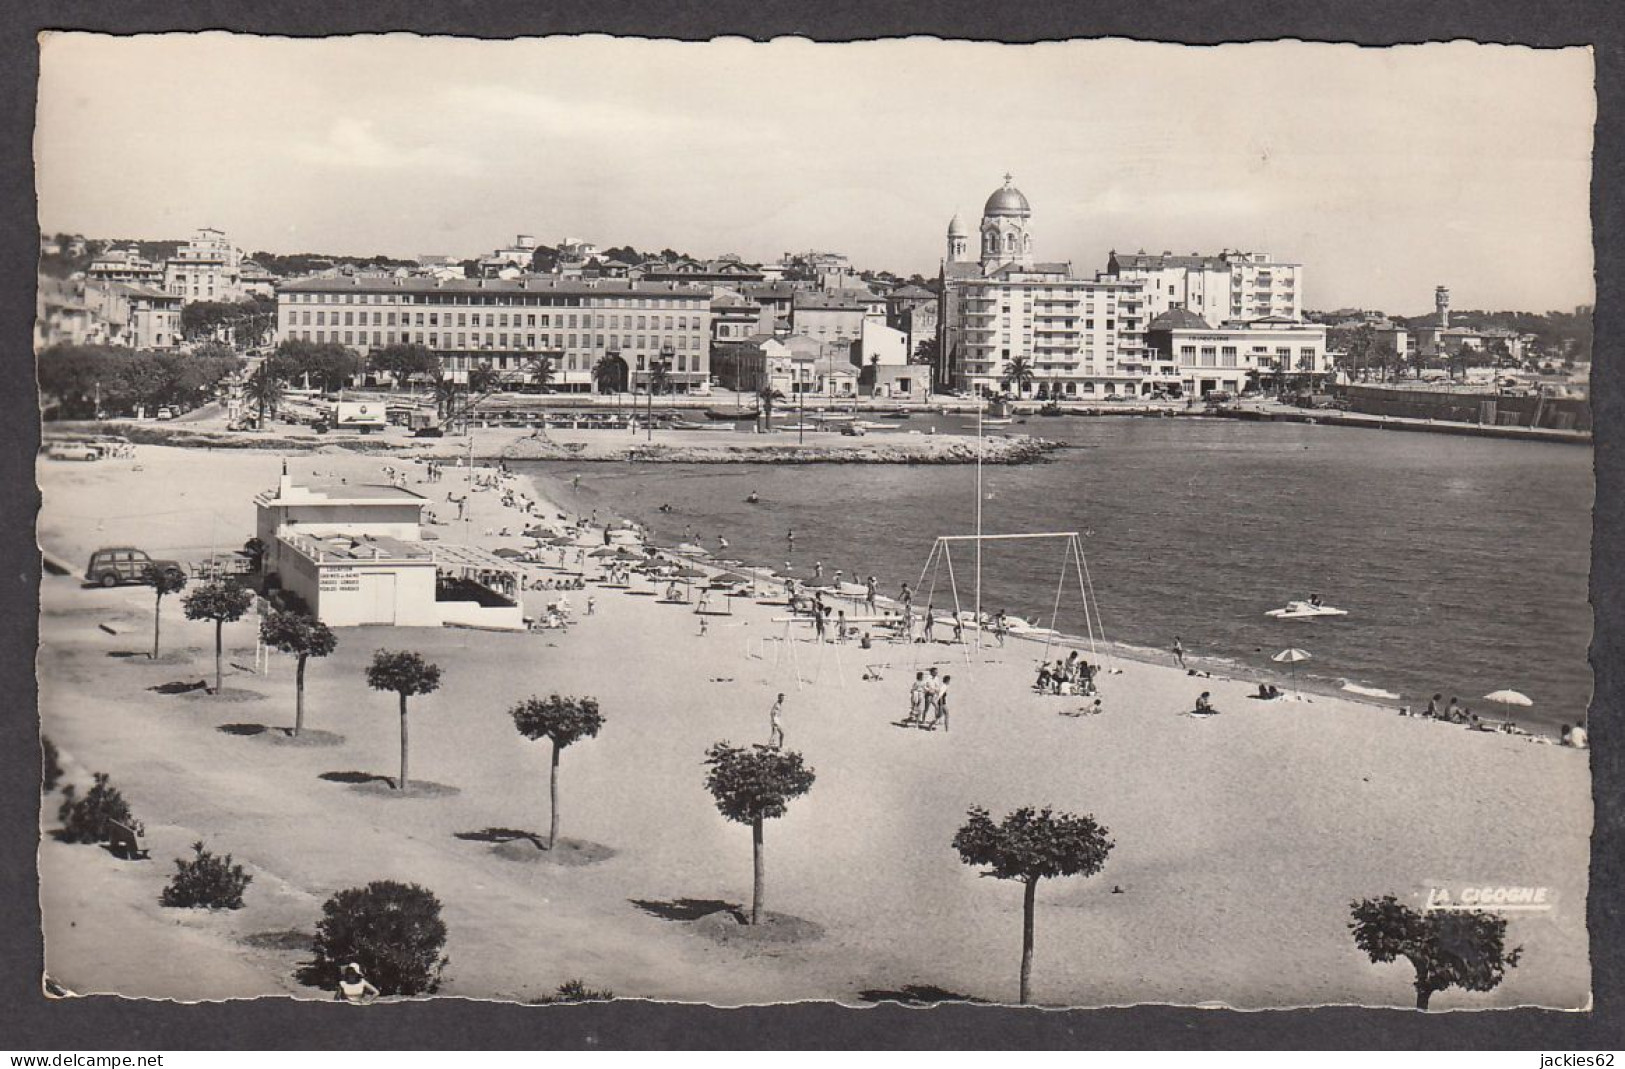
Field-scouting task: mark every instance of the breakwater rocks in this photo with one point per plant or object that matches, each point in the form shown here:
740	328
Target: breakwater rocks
930	449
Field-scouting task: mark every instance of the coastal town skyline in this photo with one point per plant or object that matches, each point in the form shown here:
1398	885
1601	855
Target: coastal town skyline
482	140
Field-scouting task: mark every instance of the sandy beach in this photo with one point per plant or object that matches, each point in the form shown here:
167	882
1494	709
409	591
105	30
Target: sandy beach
1241	839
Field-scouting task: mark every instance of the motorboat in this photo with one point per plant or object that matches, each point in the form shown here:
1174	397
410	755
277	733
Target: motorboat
1003	421
1304	610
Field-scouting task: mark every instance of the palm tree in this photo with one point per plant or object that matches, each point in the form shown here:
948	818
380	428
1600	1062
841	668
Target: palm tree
1018	373
445	394
265	388
483	378
541	370
766	396
659	377
607	372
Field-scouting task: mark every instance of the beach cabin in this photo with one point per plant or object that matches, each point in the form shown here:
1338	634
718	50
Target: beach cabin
355	554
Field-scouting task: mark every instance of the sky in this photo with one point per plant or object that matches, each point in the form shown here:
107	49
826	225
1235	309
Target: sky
1385	172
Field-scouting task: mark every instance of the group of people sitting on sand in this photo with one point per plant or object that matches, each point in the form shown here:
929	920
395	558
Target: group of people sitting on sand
1072	676
575	583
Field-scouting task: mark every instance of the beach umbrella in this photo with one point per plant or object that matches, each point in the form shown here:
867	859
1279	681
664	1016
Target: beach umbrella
604	552
1292	657
1507	699
728	580
690	573
506	552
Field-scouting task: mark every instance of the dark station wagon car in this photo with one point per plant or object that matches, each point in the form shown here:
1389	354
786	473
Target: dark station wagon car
121	564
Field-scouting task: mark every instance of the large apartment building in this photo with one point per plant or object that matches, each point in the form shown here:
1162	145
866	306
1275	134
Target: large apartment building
207	268
509	323
1082	338
1230	285
1086	338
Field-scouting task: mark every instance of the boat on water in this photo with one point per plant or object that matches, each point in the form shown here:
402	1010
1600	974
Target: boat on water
899	414
1305	610
730	416
1051	409
1003	421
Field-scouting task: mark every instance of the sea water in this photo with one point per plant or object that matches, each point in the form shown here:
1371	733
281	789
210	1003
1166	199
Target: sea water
1462	562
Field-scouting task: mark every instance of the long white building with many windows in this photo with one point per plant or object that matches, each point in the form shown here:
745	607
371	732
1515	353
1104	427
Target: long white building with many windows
510	323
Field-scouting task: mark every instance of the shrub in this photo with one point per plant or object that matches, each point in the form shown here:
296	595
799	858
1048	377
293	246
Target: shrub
574	991
392	930
85	820
50	767
208	881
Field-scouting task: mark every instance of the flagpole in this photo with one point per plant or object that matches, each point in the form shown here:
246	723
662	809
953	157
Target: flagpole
979	404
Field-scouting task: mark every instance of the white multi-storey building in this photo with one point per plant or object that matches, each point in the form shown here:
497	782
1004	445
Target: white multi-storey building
206	268
1083	338
1231	285
508	324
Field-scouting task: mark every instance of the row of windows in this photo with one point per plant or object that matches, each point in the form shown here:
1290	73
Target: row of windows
651	342
492	319
571	362
499	300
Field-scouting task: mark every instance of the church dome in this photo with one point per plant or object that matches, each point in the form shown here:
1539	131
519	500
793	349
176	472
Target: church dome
1007	201
956	228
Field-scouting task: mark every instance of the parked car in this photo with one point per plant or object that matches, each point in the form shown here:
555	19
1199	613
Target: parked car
428	432
121	564
166	413
1217	397
852	431
74	451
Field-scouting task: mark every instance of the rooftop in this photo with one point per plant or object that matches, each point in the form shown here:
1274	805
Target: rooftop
528	284
325	548
331	493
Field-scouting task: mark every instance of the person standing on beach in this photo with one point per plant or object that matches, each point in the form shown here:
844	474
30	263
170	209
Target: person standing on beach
870	592
1179	652
930	624
916	700
818	620
928	707
790	537
941	705
703	626
906	596
818	571
775	726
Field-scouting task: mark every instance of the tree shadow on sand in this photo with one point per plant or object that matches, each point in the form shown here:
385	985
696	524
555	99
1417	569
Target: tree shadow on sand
515	845
689	909
384	786
916	995
280	736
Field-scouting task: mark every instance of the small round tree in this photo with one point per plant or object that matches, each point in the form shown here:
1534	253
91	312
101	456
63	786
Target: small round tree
86	820
304	637
406	673
223	602
164	581
1029	845
753	785
1446	948
392	930
563	721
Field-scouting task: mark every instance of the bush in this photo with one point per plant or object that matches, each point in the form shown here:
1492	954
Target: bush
50	767
208	881
392	930
574	991
85	820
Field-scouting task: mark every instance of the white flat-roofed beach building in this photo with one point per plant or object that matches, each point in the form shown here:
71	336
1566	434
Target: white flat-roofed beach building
355	554
509	323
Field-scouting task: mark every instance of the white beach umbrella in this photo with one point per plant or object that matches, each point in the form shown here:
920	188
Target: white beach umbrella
1507	699
1292	657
